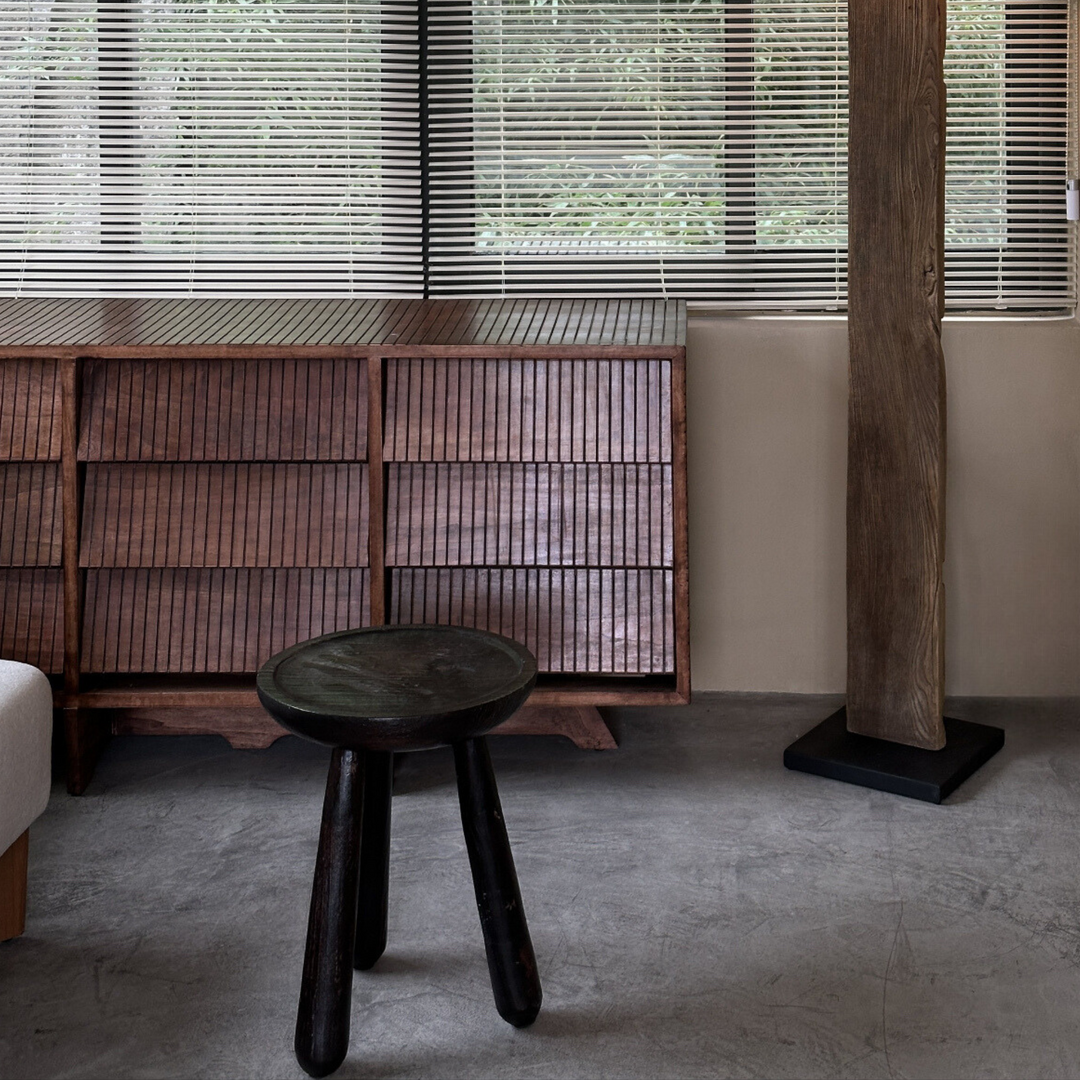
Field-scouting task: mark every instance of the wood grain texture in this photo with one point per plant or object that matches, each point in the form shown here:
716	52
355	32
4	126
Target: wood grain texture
376	493
13	867
225	514
222	410
397	688
161	694
216	445
31	515
680	524
32	618
603	621
29	411
582	725
896	421
243	728
212	619
134	324
506	514
528	410
72	511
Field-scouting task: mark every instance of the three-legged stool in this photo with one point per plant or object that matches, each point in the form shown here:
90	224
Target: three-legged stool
368	693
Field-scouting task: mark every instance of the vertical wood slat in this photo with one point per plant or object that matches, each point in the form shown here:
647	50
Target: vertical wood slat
212	619
528	410
224	410
503	514
31	514
580	621
896	414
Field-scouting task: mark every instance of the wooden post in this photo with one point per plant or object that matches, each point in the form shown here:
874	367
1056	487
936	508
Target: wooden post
896	418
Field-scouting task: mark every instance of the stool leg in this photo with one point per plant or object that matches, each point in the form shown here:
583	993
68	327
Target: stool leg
511	961
322	1021
371	901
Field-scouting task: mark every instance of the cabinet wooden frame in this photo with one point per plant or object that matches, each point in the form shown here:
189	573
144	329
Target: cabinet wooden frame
97	702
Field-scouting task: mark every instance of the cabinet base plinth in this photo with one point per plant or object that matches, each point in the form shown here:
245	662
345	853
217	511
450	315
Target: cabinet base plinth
830	750
582	725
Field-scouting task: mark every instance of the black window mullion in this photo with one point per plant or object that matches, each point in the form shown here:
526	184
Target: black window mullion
424	148
451	196
740	174
117	120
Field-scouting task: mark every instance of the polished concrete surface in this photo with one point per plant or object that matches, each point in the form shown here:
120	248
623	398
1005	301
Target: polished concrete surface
697	911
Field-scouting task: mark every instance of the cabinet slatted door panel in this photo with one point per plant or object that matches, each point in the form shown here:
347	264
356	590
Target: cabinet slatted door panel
516	470
31	517
504	514
228	514
32	617
29	410
574	621
224	410
212	619
528	410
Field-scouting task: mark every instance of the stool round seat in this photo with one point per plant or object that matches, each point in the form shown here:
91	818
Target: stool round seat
368	694
397	688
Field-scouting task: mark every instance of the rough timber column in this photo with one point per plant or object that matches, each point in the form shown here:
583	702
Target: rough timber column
896	412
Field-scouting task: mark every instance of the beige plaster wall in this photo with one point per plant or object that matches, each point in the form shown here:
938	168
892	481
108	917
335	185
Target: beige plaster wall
767	445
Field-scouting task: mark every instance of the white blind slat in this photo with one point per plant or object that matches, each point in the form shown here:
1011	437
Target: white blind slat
679	147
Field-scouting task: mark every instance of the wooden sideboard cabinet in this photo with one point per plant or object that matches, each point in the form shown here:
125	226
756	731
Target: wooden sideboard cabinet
191	485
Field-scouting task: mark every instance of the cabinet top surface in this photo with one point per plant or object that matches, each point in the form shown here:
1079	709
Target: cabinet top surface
249	323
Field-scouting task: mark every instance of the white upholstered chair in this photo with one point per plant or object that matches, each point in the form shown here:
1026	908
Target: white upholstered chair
25	740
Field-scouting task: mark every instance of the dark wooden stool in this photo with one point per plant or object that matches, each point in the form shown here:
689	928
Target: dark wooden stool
368	693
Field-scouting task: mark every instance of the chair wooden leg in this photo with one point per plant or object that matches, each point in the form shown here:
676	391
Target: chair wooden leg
13	888
322	1021
511	961
372	897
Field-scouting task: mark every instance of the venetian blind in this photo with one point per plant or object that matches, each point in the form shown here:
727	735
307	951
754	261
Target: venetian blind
698	148
222	146
469	147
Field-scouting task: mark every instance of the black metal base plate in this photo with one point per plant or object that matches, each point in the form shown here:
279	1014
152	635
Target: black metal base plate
931	775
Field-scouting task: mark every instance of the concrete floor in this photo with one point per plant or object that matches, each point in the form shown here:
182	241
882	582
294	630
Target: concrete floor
696	909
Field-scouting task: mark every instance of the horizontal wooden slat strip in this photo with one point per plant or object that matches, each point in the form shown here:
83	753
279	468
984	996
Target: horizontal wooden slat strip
222	410
32	618
252	321
508	514
212	620
31	519
528	410
592	621
225	514
29	410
